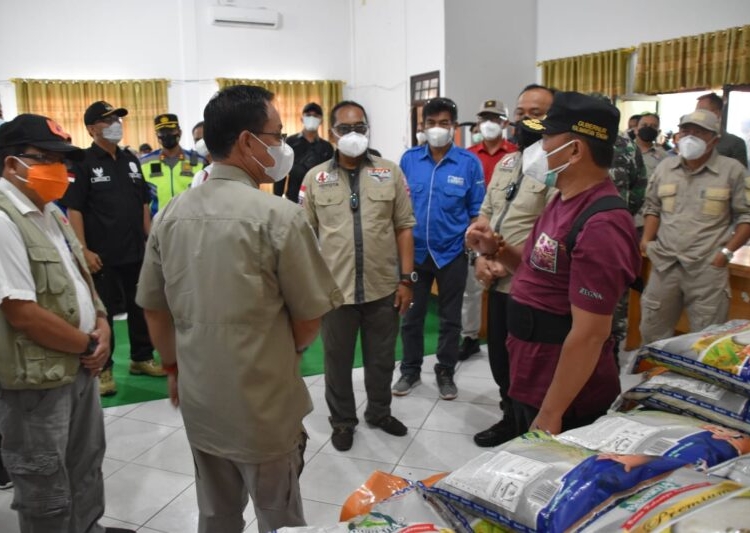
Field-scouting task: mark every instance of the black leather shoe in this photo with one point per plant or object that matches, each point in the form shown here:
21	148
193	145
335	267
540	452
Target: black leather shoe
497	434
390	425
469	347
342	438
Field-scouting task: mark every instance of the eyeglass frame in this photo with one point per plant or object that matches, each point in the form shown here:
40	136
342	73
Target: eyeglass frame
281	137
363	128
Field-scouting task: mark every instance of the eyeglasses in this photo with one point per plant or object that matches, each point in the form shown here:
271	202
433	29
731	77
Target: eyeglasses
281	137
344	129
42	159
354	202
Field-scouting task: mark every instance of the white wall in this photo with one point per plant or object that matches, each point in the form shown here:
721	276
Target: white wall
172	39
490	52
393	40
573	27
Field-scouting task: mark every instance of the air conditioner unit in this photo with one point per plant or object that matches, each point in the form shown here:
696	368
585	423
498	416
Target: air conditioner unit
246	16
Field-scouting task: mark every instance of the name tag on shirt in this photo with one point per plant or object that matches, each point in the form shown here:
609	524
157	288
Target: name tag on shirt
380	174
456	180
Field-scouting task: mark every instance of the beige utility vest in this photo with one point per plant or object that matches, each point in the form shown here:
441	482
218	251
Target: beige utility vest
23	363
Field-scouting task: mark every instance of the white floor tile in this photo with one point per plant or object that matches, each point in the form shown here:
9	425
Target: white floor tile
412	411
127	439
8	517
172	454
477	390
312	380
461	417
137	493
181	514
106	521
110	466
318	513
374	444
437	450
413	474
148	530
477	366
318	429
120	410
160	412
332	478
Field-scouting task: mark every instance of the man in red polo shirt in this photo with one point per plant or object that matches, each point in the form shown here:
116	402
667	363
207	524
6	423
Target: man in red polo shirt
492	120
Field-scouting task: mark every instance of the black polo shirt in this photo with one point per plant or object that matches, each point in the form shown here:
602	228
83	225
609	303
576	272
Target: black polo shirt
110	193
306	156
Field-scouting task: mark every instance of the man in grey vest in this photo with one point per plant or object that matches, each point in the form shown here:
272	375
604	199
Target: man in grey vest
54	340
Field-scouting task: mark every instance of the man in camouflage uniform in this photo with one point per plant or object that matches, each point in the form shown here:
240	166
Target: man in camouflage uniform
628	172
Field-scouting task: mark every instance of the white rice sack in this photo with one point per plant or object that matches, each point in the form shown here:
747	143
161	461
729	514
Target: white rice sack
655	433
535	483
679	499
719	354
669	391
736	469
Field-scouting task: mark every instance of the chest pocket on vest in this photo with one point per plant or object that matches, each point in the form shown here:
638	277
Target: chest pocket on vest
667	194
47	269
715	201
531	198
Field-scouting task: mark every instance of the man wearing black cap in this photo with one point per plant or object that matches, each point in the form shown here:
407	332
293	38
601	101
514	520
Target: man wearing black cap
170	170
108	207
309	150
54	339
567	281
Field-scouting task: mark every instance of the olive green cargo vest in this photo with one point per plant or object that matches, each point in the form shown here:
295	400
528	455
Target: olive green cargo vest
23	363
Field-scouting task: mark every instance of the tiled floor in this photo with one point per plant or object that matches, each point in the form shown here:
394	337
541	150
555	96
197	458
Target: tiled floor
148	468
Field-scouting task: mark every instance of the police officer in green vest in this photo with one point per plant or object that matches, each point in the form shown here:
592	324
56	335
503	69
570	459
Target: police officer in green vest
170	170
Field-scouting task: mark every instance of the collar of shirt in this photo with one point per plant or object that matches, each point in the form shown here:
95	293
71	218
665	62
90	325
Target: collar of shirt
101	153
222	171
710	164
450	155
365	160
17	198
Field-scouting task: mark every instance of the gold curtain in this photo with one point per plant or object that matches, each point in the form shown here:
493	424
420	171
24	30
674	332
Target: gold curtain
603	72
694	62
292	95
66	100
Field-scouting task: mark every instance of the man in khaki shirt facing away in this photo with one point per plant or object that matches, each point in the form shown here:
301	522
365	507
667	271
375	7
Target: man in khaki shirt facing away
696	215
359	206
233	287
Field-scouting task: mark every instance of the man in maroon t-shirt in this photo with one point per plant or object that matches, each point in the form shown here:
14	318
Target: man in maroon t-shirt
563	373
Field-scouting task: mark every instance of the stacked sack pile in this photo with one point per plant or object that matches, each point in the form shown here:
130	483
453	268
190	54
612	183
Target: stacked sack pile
672	456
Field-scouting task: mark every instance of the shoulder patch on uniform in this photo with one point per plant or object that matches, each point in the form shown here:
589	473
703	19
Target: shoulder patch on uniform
301	194
380	174
509	160
324	177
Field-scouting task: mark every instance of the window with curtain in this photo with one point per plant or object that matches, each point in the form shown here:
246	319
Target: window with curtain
290	96
66	100
603	72
694	62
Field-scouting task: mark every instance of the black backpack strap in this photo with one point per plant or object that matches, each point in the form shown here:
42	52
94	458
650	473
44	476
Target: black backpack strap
605	203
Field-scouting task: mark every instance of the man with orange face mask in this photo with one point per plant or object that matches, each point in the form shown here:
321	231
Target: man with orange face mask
54	339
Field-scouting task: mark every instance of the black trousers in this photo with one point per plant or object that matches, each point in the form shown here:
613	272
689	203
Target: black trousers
497	333
109	281
451	282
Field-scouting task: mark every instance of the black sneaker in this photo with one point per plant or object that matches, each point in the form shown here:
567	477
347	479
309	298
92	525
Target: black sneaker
496	435
390	425
342	438
469	347
446	386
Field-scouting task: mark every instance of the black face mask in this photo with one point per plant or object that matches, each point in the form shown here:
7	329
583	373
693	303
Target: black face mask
169	140
647	134
631	134
525	138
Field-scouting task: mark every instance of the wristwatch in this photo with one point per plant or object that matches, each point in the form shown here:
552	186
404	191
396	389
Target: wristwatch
726	252
409	279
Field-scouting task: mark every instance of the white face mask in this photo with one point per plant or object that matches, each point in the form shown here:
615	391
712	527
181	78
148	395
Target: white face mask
283	159
691	147
353	144
113	132
310	122
536	165
490	130
201	148
421	137
439	137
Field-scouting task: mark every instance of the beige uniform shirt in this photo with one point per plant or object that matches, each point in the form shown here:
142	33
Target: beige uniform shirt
234	265
359	246
530	200
697	210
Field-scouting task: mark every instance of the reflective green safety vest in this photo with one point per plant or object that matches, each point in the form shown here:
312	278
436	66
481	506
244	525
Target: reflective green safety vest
166	182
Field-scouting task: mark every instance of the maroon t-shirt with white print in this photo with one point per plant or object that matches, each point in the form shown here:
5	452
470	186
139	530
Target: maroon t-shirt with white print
605	261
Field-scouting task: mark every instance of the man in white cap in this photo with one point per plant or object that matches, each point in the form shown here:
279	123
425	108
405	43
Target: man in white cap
696	215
